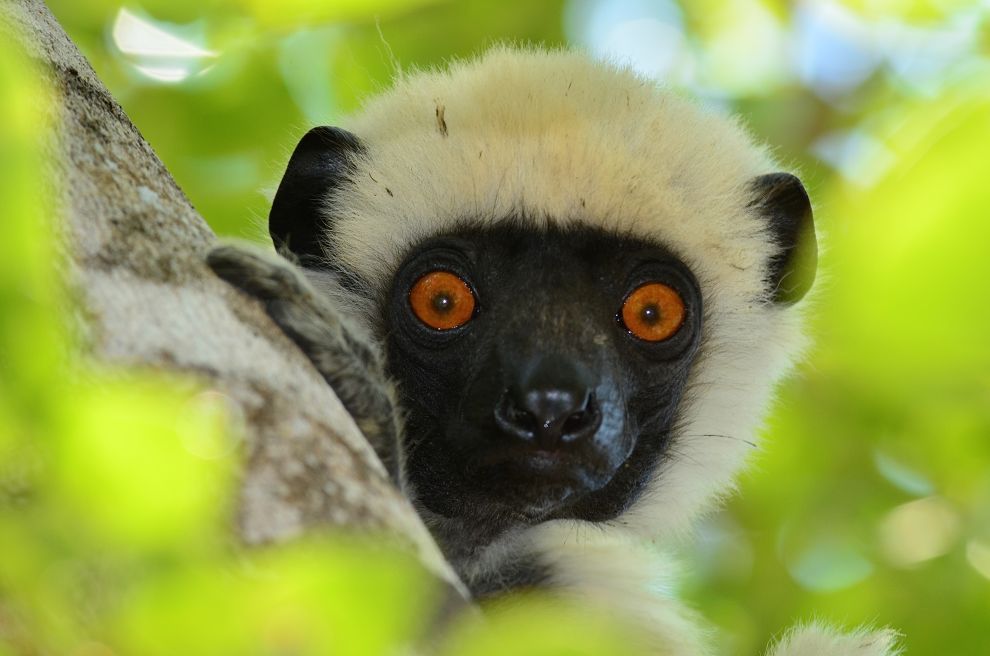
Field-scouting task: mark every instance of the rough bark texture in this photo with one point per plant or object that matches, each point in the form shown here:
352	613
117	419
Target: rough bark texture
135	248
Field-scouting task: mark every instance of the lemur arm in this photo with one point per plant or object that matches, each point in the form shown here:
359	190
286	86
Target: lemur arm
347	359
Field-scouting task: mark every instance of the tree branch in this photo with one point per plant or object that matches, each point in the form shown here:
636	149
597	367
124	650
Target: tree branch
135	251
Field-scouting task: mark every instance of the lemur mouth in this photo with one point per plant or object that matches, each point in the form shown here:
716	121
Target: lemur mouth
536	481
529	459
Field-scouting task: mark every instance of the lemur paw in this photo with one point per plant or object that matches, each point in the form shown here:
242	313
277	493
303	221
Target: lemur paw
819	640
259	275
289	300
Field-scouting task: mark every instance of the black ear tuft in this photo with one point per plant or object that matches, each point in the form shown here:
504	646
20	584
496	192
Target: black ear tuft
321	161
781	198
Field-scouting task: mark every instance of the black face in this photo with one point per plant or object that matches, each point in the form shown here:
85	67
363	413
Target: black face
540	370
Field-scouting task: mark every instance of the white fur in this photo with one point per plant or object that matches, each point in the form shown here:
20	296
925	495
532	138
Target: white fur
556	136
624	578
820	640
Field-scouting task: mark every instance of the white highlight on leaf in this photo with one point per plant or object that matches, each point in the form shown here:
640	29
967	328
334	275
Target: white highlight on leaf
918	531
155	52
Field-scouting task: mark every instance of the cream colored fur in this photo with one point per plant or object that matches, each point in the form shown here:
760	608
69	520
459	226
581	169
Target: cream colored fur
555	136
820	640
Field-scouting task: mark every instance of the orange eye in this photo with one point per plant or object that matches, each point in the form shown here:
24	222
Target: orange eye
653	312
442	300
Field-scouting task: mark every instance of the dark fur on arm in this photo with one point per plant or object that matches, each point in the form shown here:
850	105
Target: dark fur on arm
347	359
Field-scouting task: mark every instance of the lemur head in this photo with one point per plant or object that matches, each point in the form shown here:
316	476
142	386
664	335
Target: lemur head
585	285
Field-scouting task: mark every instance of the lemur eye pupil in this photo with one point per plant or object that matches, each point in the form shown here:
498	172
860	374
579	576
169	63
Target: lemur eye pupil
443	303
650	314
442	300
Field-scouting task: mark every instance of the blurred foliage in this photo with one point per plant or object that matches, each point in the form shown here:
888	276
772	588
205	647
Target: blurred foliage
889	423
871	500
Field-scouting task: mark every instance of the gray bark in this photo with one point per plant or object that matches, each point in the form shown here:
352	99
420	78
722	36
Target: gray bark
135	249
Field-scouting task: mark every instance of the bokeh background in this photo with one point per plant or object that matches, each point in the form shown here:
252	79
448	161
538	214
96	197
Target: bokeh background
869	501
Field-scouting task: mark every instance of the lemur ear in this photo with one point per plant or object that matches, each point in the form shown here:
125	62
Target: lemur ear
321	161
781	198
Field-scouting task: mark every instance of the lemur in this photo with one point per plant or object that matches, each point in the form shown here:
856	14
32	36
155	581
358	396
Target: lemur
556	298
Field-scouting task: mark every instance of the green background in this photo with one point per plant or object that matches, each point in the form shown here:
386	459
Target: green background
869	501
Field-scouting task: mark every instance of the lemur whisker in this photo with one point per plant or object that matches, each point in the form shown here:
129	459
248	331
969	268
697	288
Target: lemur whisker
728	437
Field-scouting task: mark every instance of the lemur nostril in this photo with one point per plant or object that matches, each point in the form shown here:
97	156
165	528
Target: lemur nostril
512	419
522	418
582	423
547	416
575	422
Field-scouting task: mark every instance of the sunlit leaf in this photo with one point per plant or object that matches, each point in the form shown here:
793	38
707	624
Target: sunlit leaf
921	11
131	464
325	597
313	12
911	251
27	282
540	627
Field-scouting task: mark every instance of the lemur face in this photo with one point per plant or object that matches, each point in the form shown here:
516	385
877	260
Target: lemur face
540	369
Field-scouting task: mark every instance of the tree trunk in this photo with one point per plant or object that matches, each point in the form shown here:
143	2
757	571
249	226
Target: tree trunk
134	252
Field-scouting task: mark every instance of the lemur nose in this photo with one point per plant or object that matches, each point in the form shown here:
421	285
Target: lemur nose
549	410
